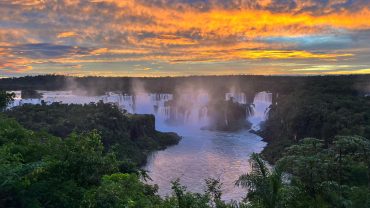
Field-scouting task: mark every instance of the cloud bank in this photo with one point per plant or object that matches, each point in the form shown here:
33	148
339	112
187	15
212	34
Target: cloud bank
183	37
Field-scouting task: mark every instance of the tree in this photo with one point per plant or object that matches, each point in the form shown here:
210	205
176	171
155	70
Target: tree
264	186
214	191
329	176
122	190
132	137
5	99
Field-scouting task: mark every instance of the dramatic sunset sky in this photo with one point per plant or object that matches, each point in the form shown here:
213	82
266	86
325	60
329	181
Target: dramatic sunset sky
184	37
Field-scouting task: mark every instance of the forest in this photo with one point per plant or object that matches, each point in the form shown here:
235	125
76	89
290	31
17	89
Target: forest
250	84
132	136
319	109
317	153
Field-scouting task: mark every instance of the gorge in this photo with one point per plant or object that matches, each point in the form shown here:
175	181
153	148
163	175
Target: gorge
202	152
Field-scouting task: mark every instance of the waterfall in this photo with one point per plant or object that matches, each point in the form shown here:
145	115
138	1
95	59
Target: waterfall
262	102
188	108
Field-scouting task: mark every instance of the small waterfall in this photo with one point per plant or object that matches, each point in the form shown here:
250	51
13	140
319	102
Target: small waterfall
262	102
189	109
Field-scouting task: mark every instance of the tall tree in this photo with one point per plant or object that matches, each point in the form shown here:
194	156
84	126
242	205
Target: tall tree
264	186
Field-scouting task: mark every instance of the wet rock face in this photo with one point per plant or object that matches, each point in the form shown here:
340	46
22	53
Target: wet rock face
30	94
228	116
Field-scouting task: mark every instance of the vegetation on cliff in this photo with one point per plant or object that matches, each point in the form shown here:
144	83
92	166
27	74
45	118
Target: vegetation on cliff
311	174
321	108
229	115
133	137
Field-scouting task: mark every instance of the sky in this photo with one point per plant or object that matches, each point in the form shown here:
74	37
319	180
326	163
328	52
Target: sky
184	37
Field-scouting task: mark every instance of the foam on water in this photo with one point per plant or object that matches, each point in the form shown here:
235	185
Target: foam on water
261	105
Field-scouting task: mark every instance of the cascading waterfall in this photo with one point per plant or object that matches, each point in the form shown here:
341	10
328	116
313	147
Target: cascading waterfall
201	153
198	109
19	101
188	109
261	105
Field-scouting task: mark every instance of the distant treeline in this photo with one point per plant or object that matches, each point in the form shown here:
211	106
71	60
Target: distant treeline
250	84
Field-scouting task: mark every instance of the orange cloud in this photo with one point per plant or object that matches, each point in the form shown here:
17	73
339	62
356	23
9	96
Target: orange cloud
66	34
281	54
140	30
17	65
220	23
102	51
9	62
168	40
10	37
202	56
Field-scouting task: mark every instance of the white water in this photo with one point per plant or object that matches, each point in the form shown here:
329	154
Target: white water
261	102
201	153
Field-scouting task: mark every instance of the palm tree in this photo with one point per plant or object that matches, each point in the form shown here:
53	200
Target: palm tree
264	186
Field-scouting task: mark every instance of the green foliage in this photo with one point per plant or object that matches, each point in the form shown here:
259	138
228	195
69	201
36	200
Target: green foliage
5	99
184	199
181	198
265	187
330	175
133	137
319	110
39	170
315	176
82	159
121	190
214	191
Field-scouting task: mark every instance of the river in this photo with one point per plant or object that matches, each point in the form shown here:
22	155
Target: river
201	153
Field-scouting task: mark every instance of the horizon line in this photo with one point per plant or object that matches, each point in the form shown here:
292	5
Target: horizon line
188	76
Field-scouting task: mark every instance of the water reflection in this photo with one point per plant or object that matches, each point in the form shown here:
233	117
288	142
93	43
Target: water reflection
201	154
